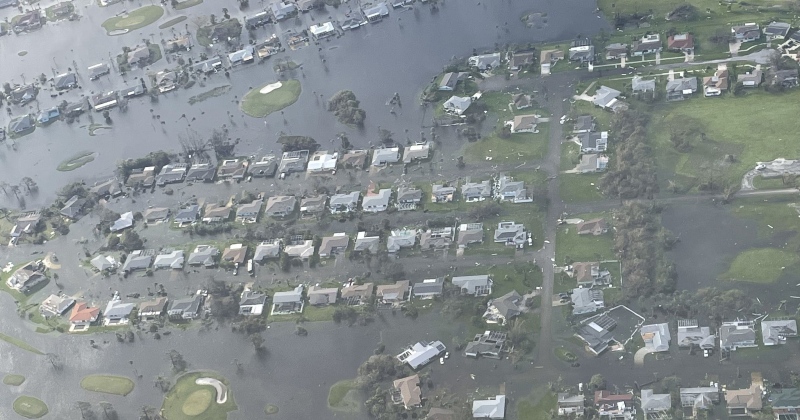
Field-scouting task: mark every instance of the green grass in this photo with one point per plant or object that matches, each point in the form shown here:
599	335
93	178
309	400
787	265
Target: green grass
310	314
108	384
135	19
565	355
259	105
764	265
337	396
775	216
540	410
577	188
520	276
30	407
76	161
187	4
583	248
50	11
172	22
770	183
217	91
184	387
204	33
13	380
19	343
519	148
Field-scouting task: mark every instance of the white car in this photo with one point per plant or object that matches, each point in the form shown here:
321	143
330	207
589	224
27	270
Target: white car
447	355
441	360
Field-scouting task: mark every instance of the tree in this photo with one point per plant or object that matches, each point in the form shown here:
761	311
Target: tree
345	106
597	382
29	185
258	342
55	361
225	13
301	331
109	412
177	360
86	410
131	241
294	143
213	19
107	117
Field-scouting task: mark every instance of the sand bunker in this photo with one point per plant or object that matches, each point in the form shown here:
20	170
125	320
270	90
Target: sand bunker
270	87
222	390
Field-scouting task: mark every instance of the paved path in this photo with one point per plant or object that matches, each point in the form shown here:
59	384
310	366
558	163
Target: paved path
638	358
222	390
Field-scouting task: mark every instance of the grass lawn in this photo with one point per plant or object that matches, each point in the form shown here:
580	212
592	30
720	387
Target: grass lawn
108	384
777	216
185	391
338	396
50	12
762	265
217	91
172	22
520	276
30	407
565	355
770	183
519	148
76	161
19	343
13	380
232	27
310	313
135	19
527	409
768	115
187	4
584	247
577	188
259	105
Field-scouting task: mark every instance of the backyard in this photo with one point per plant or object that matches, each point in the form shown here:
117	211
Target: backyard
570	245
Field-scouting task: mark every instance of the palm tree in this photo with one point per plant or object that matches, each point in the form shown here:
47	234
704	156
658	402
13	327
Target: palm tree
4	186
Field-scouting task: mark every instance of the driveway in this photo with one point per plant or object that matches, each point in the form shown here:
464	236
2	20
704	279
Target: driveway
638	358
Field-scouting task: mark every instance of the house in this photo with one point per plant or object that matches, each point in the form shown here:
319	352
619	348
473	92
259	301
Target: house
450	80
592	162
485	61
656	337
186	308
187	215
489	344
267	250
700	398
592	227
139	56
76	108
131	91
569	404
640	85
785	78
470	233
155	214
654	404
110	188
376	202
508	190
205	255
586	301
436	238
589	274
235	253
480	285
282	10
376	12
442	193
55	305
616	51
172	259
344	203
302	249
406	391
104	100
777	31
98	70
294	161
368	242
457	105
746	33
520	59
310	206
306	5
257	20
322	161
248	213
399	239
322	30
117	312
524	123
166	81
416	152
354	159
583	124
752	78
244	56
47	115
548	59
26	224
408	198
29	21
476	191
596	333
736	334
502	309
280	206
73	208
681	42
691	334
606	98
103	262
510	234
144	177
421	353
215	213
385	156
65	81
614	406
232	168
252	303
138	260
21	124
171	174
23	94
269	47
152	309
319	296
357	294
776	332
212	65
285	303
177	44
521	101
716	84
648	44
428	288
494	408
785	403
746	402
680	89
581	54
333	245
82	316
125	221
393	293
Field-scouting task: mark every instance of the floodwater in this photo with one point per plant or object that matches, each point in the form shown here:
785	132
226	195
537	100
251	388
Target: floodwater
400	54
